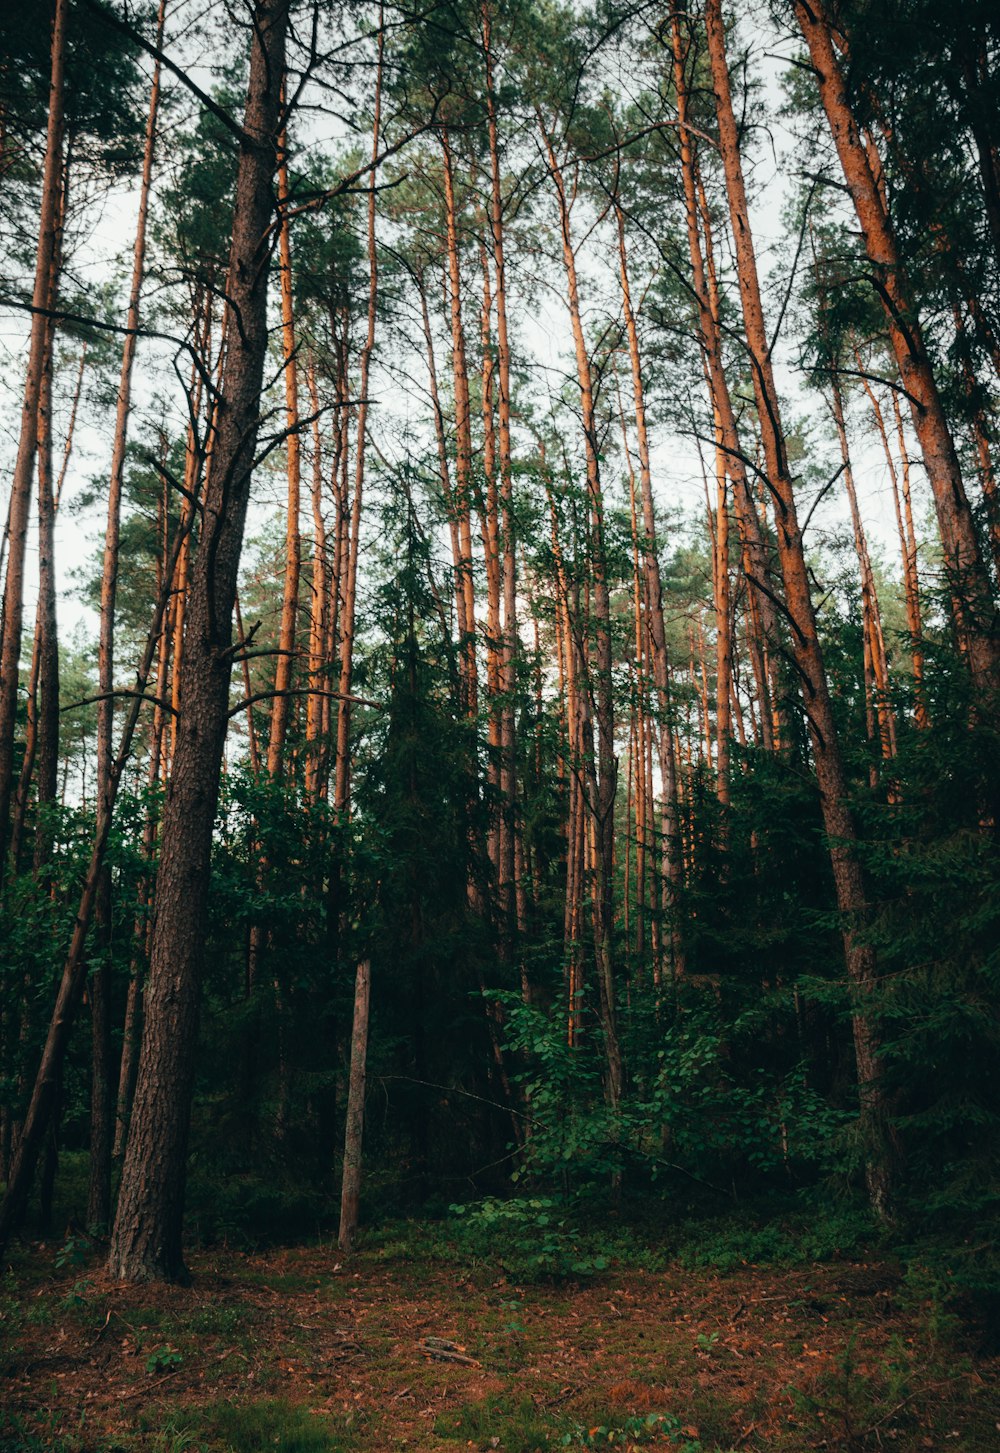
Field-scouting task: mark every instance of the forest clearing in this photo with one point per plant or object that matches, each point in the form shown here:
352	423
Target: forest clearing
499	724
415	1342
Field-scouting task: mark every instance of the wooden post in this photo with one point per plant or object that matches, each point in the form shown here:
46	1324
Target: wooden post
350	1193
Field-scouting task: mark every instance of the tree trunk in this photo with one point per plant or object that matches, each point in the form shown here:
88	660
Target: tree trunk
968	580
509	641
74	972
319	607
653	601
350	1194
101	1091
281	704
146	1242
349	580
861	965
601	770
43	293
463	439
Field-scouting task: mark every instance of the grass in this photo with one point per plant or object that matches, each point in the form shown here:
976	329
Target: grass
271	1425
298	1349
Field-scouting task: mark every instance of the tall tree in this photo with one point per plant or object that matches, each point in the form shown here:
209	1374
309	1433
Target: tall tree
147	1236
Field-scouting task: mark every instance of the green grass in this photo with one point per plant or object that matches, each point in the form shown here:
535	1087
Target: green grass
267	1426
517	1423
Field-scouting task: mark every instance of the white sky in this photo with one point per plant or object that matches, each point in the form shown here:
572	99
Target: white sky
541	333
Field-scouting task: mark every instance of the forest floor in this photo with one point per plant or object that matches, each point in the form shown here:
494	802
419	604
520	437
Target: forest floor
302	1351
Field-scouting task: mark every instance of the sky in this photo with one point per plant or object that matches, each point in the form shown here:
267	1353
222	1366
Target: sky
542	333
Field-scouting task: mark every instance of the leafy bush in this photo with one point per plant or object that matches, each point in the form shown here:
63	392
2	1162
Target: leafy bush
528	1236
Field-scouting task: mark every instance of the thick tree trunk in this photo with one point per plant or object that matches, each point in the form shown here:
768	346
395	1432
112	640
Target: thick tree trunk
146	1242
968	580
763	627
861	965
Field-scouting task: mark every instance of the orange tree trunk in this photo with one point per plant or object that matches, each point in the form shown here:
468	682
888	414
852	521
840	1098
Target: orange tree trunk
968	580
49	227
861	965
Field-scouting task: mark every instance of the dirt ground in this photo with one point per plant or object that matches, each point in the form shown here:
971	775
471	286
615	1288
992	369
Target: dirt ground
301	1350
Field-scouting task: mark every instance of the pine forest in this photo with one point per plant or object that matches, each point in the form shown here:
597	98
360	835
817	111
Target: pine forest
499	725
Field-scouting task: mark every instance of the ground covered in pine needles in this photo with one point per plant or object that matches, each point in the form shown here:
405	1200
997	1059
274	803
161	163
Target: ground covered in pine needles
414	1344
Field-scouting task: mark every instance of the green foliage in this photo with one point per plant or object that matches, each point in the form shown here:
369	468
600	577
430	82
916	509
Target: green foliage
528	1236
164	1359
630	1432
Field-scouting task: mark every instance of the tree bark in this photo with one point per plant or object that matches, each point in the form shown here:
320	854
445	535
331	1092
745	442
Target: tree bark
968	580
350	1194
43	292
860	958
281	703
349	579
147	1236
600	767
101	1091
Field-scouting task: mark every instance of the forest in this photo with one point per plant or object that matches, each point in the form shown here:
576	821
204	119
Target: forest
499	724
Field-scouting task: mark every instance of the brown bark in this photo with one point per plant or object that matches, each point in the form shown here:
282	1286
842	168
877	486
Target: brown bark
508	648
349	580
490	531
43	293
860	959
319	606
193	464
907	544
600	765
763	627
979	427
463	440
46	1087
281	704
653	603
146	1242
101	1122
723	636
968	580
881	723
350	1194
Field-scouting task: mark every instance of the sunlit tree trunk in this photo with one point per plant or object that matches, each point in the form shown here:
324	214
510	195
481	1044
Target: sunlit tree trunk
509	640
42	298
281	704
907	544
975	611
653	600
342	784
463	439
861	964
600	763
